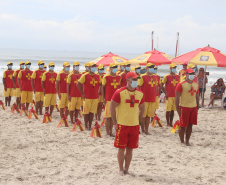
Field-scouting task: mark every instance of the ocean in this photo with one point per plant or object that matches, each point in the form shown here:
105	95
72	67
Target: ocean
58	57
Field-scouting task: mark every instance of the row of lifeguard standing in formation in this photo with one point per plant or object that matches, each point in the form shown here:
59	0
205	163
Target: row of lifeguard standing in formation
89	90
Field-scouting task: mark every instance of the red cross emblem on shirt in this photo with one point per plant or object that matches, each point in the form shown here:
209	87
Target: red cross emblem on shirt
132	100
192	91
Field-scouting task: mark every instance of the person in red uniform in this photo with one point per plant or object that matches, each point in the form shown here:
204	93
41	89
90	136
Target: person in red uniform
36	79
158	88
100	101
61	87
137	70
170	80
49	88
74	95
123	74
110	83
122	68
8	83
91	86
127	109
24	82
17	92
147	84
187	103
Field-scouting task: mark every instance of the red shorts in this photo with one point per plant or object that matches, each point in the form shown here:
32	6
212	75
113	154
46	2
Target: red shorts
188	115
127	136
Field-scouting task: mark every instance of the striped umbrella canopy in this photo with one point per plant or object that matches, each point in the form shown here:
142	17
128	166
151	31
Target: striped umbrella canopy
206	56
156	57
109	58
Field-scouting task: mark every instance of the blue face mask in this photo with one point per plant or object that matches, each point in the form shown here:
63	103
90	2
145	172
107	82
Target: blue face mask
174	70
93	69
67	69
42	66
137	70
101	71
123	68
76	68
51	68
22	66
114	70
128	68
134	84
151	70
28	66
10	66
191	77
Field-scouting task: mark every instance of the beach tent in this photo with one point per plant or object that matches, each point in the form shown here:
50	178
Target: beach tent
109	58
156	57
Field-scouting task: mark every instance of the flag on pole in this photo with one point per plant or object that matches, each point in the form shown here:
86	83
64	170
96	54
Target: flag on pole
2	104
77	124
23	109
96	131
156	118
32	111
63	120
46	117
14	107
175	126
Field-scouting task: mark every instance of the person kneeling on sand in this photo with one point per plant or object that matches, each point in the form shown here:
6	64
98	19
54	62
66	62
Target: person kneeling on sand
129	104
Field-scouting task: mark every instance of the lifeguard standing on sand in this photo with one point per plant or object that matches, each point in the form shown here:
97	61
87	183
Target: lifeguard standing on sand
24	82
74	95
91	84
128	104
170	80
17	92
8	83
182	73
147	84
36	79
187	103
123	74
158	88
49	88
110	83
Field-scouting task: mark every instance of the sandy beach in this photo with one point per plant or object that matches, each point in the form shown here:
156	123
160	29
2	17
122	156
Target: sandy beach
36	153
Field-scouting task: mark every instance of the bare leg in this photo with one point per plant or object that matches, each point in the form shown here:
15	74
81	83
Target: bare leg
18	102
40	107
121	158
51	109
61	112
47	109
71	116
86	120
188	134
171	117
91	115
203	99
107	125
147	122
37	106
143	125
99	110
168	118
27	106
76	113
128	158
6	101
111	127
9	100
181	134
66	112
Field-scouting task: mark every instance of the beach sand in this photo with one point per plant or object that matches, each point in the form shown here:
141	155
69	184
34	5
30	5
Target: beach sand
37	153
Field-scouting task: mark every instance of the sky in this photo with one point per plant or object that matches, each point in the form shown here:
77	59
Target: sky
123	26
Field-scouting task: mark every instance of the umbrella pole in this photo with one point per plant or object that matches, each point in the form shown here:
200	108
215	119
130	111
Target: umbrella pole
203	86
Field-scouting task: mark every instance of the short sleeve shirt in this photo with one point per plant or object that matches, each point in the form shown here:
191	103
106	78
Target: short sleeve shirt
37	76
49	79
127	112
171	82
25	79
15	75
72	80
188	93
8	75
62	78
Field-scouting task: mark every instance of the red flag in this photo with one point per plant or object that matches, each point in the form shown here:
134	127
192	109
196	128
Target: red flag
156	118
46	117
23	109
175	126
77	124
103	122
64	119
32	111
96	130
14	107
58	110
2	104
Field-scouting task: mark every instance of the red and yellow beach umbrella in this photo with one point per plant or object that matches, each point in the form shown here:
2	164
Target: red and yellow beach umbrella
109	58
154	56
206	56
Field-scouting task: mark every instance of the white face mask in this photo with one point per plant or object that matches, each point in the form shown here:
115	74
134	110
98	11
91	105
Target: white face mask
134	84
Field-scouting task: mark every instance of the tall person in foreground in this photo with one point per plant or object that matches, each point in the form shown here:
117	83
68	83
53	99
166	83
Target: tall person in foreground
127	109
187	103
91	83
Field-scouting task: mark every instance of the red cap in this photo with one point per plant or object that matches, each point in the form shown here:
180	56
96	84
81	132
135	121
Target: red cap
189	70
132	75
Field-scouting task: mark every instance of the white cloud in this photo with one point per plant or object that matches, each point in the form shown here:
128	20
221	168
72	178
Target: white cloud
81	33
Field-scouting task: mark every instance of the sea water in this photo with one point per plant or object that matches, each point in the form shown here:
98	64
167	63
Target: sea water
58	57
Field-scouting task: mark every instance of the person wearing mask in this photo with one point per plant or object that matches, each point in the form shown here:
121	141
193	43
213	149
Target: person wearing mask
123	74
49	88
182	73
158	88
110	83
8	83
17	92
36	79
137	70
24	82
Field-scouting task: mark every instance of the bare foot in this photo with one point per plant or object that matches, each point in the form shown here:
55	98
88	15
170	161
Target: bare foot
187	143
90	128
121	173
107	136
112	135
86	128
147	133
129	173
171	125
168	125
